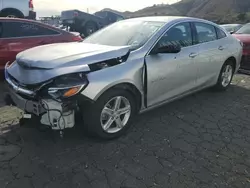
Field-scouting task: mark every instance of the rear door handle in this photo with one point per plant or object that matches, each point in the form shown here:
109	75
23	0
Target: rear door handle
193	55
221	48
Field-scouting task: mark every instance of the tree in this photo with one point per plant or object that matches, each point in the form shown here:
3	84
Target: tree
242	16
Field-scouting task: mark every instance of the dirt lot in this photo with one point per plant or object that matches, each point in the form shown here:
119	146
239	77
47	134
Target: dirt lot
200	141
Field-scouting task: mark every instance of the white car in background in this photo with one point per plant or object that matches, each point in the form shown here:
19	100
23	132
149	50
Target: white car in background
17	9
231	28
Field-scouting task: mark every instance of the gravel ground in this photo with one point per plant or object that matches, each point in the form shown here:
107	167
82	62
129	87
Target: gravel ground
199	141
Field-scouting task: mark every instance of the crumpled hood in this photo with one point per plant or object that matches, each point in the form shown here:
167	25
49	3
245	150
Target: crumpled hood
68	54
43	63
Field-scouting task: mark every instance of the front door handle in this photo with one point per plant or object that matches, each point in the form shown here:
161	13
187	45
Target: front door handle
193	55
221	48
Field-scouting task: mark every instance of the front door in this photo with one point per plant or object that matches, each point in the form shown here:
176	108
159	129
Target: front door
172	74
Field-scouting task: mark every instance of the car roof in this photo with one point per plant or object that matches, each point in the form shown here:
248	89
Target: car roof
167	19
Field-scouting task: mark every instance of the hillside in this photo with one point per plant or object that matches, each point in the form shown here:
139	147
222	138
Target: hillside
221	11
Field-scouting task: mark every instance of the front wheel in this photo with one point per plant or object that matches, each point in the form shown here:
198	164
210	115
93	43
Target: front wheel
225	77
110	116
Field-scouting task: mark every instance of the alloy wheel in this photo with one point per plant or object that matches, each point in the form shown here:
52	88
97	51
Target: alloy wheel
115	114
227	75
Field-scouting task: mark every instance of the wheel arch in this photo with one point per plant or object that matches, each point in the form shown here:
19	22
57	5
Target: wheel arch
12	9
128	86
233	60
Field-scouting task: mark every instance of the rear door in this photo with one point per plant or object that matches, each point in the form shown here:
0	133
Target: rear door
17	36
211	53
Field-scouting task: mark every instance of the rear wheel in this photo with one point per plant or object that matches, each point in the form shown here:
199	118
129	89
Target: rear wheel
225	77
110	116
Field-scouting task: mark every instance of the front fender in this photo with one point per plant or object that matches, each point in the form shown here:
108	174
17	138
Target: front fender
102	80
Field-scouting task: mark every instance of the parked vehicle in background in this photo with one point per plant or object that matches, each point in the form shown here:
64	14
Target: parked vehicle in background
243	34
87	24
128	67
17	35
17	9
231	28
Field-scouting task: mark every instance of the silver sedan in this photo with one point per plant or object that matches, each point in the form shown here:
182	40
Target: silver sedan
129	67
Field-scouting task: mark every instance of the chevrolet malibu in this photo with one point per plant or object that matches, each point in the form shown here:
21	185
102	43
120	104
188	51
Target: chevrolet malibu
129	67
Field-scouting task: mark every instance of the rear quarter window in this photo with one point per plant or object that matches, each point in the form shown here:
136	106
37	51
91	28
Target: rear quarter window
25	29
220	34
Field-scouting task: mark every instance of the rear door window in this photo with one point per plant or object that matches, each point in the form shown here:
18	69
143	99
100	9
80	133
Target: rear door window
24	29
205	32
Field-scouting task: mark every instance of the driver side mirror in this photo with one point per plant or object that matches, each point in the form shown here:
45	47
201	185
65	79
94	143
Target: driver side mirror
166	49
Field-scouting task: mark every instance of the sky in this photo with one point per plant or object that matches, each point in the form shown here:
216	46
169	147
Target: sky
53	7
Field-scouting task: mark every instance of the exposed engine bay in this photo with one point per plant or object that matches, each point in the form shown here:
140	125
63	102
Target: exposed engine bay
53	101
57	115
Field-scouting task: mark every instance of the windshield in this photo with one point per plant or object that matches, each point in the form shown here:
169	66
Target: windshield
131	33
244	30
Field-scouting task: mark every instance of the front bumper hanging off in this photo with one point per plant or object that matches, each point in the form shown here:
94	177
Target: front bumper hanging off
51	113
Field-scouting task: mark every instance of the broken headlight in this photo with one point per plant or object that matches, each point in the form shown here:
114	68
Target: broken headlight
67	85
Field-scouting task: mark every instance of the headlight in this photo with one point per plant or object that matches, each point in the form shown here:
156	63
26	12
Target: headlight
67	85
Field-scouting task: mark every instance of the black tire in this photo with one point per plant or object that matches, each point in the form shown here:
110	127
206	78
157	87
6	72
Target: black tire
89	28
11	13
219	86
92	114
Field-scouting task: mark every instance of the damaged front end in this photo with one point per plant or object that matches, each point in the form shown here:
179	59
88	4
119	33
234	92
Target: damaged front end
48	82
54	101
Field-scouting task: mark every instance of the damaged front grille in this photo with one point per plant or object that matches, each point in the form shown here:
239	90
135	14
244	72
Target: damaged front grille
27	91
32	87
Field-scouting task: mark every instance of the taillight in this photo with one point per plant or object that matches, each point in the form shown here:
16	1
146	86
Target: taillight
31	5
